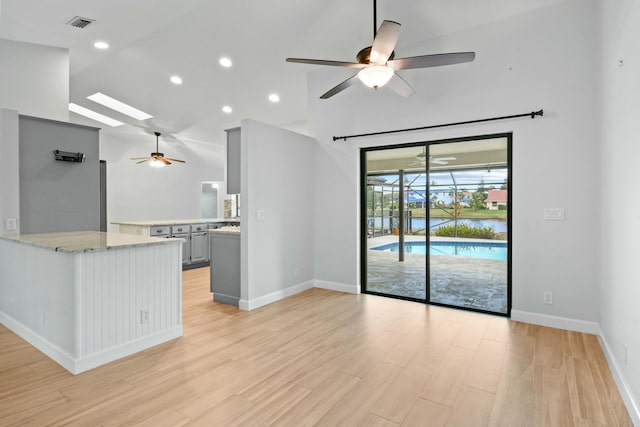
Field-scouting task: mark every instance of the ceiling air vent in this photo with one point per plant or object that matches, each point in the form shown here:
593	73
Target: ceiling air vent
80	22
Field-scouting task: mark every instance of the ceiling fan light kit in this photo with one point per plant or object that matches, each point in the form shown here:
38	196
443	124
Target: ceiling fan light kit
378	65
156	159
375	76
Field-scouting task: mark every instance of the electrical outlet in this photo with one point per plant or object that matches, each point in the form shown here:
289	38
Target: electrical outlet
11	224
548	297
624	354
44	317
144	315
259	214
296	272
553	214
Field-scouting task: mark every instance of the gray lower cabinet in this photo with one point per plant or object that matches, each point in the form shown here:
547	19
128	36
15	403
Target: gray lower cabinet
199	247
225	267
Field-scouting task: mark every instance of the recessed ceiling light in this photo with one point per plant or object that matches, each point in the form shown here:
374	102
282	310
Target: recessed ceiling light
274	97
119	106
176	80
101	45
93	115
225	62
227	109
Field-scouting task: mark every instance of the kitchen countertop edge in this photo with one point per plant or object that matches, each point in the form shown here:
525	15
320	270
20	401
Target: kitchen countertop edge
86	241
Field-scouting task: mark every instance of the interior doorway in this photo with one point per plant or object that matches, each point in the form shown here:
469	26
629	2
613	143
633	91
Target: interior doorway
436	221
210	194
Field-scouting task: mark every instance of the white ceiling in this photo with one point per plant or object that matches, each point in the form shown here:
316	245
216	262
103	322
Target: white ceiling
153	39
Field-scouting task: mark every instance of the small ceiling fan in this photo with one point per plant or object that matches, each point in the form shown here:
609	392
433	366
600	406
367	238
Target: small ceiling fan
421	159
378	66
158	159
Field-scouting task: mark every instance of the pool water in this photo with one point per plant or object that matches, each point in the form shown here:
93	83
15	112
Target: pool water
487	250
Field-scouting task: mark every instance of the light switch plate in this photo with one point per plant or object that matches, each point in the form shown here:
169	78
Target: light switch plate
554	214
259	214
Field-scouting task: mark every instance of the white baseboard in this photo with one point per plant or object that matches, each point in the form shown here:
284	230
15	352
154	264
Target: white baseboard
78	365
54	352
118	352
252	304
623	387
340	287
556	322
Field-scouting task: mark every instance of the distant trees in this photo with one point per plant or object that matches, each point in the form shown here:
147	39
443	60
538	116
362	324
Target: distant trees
479	197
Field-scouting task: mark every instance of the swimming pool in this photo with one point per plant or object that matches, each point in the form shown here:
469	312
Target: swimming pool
487	250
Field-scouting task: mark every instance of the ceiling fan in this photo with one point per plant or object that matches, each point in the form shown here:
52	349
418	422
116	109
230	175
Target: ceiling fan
158	159
421	159
378	66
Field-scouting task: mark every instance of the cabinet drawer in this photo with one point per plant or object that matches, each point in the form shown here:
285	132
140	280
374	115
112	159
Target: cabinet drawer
179	229
159	231
196	228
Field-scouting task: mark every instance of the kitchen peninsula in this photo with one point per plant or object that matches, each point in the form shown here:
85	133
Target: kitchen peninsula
88	298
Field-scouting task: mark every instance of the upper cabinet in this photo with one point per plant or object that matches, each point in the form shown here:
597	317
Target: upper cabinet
233	161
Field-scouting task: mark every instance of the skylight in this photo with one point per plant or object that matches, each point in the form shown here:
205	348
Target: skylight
119	106
93	115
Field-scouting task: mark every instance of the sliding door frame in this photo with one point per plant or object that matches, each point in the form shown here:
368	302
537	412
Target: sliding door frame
363	218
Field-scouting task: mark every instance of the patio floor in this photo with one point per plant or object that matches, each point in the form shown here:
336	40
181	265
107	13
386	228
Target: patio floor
455	280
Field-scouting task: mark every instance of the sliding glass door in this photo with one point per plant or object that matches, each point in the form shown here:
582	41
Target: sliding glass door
436	221
395	241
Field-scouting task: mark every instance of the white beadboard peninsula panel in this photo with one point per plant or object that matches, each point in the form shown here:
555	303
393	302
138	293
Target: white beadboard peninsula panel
36	292
123	283
82	309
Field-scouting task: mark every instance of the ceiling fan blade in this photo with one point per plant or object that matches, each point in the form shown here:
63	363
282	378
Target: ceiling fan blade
439	162
138	158
436	60
339	88
142	161
163	160
384	42
175	160
400	86
326	62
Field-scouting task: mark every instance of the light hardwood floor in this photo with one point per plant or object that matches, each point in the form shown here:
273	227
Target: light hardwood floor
324	358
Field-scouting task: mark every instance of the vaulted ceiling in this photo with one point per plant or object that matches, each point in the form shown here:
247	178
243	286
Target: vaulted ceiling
150	40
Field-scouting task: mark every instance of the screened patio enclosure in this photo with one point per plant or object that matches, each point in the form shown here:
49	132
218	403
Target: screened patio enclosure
436	220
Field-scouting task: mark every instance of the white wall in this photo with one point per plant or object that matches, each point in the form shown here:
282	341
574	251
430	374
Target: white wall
34	79
544	59
9	173
620	225
137	192
277	178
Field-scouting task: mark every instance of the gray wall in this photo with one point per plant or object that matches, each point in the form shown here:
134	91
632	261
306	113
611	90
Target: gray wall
55	195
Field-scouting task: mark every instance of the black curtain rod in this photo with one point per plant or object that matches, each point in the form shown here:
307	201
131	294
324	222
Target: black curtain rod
532	114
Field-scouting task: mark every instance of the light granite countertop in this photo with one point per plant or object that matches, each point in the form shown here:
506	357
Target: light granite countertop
86	241
225	230
178	221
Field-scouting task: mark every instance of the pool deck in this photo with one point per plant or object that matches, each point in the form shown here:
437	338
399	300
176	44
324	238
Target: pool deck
455	280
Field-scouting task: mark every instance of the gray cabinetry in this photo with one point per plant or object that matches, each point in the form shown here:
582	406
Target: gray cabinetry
199	247
160	231
183	232
225	267
233	161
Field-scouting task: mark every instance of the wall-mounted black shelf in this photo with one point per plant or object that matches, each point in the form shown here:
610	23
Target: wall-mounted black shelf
67	156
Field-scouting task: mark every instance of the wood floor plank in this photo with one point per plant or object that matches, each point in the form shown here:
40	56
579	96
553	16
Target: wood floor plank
400	396
472	408
363	395
424	413
444	385
326	358
308	411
